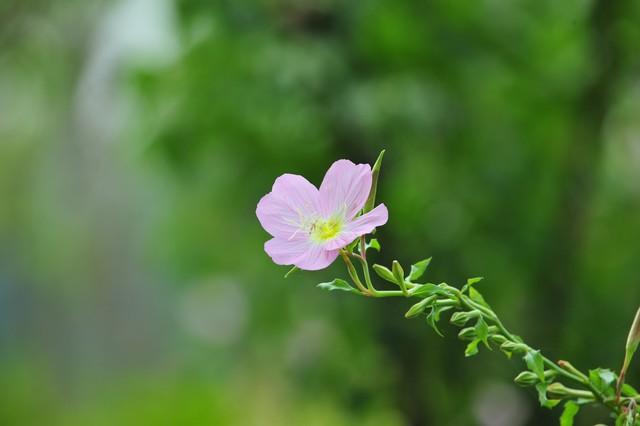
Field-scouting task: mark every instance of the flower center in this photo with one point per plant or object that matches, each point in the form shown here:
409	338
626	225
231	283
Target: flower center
325	230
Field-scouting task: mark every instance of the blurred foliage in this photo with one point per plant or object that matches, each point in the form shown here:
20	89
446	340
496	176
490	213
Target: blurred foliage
137	136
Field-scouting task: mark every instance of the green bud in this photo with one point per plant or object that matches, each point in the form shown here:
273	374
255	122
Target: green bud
384	273
513	347
566	365
633	339
558	390
398	272
498	339
526	378
375	173
529	378
461	318
468	333
419	307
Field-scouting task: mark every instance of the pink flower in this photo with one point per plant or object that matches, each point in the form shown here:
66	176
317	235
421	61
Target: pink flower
310	226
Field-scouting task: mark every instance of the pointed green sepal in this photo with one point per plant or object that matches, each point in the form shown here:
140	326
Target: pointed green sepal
375	173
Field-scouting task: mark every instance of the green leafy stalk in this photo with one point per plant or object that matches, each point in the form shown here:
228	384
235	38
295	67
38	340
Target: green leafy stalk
481	325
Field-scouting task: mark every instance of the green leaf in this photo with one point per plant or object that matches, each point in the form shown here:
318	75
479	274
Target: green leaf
427	290
631	417
338	284
470	282
482	331
472	348
542	396
477	297
384	273
417	269
628	390
434	317
291	271
507	352
535	363
603	380
352	246
569	413
373	244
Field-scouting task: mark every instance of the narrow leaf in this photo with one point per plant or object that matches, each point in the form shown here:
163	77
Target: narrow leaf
417	269
603	380
569	413
470	282
477	297
482	331
373	244
434	317
542	396
472	348
426	290
535	362
338	284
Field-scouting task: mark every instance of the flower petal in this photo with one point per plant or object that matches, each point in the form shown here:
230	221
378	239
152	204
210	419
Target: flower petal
300	252
317	257
291	200
345	189
362	225
286	251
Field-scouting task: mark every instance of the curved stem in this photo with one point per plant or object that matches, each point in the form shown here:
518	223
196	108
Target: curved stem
460	300
354	274
581	378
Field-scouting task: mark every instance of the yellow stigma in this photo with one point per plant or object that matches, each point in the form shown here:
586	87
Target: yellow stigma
325	230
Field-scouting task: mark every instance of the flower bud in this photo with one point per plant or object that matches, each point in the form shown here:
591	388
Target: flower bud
558	390
398	272
633	339
419	307
468	333
375	173
461	318
529	378
498	339
566	365
526	378
513	347
384	273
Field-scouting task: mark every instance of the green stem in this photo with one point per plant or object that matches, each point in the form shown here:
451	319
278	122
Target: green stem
461	300
491	316
353	273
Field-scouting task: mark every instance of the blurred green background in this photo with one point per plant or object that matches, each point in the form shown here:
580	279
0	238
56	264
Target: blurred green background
137	136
